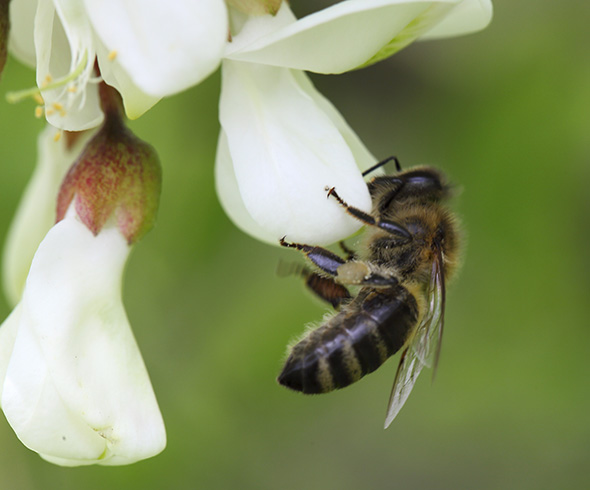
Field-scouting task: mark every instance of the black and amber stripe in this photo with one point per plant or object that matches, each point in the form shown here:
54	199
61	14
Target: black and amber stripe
353	343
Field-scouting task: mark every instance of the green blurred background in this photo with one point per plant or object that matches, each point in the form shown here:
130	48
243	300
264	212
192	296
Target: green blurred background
506	113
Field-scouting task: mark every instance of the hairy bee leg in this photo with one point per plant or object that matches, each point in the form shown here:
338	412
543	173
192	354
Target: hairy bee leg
355	273
322	258
384	224
323	287
327	289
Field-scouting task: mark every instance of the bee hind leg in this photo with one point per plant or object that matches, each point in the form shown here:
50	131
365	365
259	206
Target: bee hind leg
323	287
327	289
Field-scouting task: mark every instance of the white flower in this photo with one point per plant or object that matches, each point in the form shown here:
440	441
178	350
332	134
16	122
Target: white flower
146	49
281	142
73	385
36	212
354	33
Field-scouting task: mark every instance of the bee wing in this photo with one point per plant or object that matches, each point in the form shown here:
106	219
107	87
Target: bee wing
427	341
424	348
407	373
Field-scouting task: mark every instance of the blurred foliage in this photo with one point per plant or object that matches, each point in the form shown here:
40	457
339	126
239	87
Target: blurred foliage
506	113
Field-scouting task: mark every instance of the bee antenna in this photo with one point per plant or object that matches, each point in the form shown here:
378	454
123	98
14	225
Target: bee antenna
380	164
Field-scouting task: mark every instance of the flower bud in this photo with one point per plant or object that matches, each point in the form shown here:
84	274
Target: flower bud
4	28
117	175
256	7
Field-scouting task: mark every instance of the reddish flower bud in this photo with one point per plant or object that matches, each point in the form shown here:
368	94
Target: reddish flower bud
117	175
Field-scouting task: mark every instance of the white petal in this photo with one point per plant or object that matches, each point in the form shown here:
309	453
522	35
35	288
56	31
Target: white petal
164	47
22	21
36	212
342	37
76	389
467	17
362	156
8	332
135	101
230	196
62	47
285	150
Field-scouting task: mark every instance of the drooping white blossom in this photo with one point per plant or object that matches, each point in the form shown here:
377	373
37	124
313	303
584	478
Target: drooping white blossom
73	385
281	142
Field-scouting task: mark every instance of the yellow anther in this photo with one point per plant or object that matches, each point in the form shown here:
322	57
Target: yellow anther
62	113
47	81
38	99
50	111
72	89
57	106
112	55
39	111
57	136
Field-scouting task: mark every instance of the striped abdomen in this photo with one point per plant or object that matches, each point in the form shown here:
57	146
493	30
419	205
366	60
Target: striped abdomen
354	342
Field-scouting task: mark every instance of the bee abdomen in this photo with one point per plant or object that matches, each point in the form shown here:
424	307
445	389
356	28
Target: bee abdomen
352	343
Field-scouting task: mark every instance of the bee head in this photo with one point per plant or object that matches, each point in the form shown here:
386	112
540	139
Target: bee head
422	184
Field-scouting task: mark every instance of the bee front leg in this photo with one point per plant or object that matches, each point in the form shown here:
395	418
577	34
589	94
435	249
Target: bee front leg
384	224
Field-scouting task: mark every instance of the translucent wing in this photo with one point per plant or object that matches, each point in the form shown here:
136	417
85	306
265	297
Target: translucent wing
424	347
427	340
407	372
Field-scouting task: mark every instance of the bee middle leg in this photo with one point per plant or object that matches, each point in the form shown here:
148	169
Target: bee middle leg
321	257
349	272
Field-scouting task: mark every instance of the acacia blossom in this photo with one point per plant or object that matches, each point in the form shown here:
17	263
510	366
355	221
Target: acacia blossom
146	50
281	142
73	385
72	381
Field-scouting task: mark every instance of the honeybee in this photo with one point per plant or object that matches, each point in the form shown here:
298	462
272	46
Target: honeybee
410	249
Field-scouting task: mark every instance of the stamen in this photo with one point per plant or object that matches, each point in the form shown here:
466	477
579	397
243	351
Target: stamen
39	111
49	84
57	136
112	55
